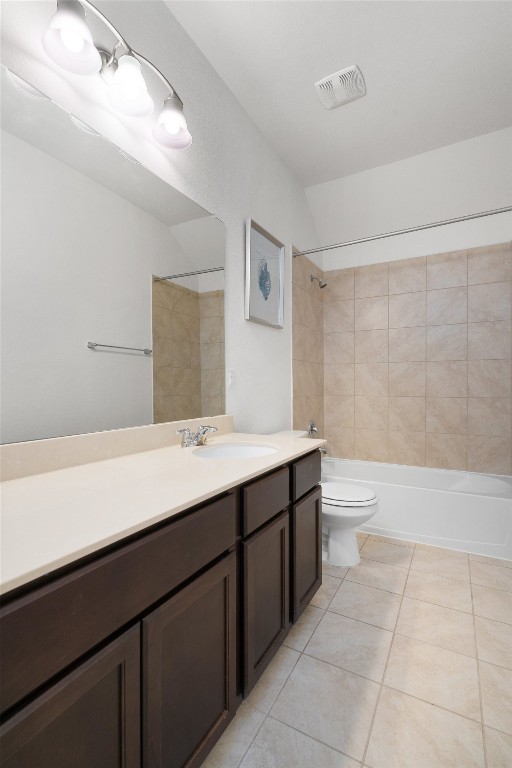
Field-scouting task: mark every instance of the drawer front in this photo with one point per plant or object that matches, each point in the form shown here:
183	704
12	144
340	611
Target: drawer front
48	629
306	474
263	499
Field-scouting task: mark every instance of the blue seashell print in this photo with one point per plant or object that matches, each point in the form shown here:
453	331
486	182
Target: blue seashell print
264	279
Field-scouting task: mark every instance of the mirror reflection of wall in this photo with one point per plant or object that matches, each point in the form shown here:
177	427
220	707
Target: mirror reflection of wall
188	352
84	231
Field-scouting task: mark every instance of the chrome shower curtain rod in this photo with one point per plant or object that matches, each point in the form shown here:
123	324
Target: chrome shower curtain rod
404	231
189	274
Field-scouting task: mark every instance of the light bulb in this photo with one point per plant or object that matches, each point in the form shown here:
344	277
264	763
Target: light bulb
171	127
72	40
127	90
68	41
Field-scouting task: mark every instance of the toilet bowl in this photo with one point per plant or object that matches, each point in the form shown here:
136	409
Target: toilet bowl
345	506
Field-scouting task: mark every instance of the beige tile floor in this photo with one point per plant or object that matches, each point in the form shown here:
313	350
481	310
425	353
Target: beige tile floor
404	661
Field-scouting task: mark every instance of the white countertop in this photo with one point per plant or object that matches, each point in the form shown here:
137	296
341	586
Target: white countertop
50	520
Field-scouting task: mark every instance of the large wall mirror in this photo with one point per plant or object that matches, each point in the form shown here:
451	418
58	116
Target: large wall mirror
95	248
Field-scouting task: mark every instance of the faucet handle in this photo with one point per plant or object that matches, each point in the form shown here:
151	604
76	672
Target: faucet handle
201	432
186	434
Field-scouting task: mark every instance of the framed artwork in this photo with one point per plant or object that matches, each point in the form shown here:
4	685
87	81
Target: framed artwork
264	277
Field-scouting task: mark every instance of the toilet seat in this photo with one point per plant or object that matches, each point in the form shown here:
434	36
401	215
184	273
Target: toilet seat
347	495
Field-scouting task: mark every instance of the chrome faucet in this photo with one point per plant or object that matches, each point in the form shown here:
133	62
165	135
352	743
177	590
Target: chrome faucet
188	438
312	429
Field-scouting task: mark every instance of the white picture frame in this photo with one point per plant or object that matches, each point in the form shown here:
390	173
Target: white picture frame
264	277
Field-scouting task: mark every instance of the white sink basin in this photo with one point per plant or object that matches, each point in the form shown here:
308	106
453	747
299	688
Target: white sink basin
234	451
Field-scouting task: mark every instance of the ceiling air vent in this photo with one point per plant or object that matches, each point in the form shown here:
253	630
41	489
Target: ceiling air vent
341	87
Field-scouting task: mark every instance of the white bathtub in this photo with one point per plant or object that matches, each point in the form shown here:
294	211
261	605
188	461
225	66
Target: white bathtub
460	510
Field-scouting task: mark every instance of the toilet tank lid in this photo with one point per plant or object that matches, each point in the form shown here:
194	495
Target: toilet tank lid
346	492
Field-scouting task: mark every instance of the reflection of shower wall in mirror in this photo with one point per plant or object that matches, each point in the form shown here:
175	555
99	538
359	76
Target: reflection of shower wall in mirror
188	352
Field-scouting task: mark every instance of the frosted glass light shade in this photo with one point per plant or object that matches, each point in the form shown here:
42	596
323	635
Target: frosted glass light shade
170	129
127	91
68	41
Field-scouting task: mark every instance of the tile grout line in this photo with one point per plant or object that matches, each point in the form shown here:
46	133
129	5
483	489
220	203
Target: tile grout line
480	698
381	685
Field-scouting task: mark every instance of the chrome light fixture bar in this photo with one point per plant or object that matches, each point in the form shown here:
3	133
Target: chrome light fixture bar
68	42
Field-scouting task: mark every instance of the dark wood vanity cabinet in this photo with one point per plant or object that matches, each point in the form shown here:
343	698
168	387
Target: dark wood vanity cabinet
136	658
89	718
189	663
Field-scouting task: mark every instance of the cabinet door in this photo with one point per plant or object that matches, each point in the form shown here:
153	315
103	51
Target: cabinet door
189	670
90	718
266	596
306	550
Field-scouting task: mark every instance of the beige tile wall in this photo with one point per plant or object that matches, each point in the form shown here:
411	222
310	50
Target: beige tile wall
417	360
211	333
188	353
308	347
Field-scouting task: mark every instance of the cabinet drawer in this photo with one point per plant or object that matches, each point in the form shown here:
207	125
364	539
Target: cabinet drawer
306	474
48	629
263	499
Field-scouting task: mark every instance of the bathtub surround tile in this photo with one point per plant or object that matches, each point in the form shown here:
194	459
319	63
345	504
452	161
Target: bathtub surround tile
408	309
390	578
371	379
234	742
490	263
339	348
434	674
489	302
490	341
407	344
433	624
408	733
447	415
447	342
338	316
447	379
494	641
447	270
447	306
446	451
352	645
371	280
407	379
496	687
279	746
371	412
407	414
442	562
408	275
339	379
300	634
339	411
489	416
272	680
340	285
492	603
371	313
385	552
493	576
498	748
371	444
439	590
371	346
340	442
489	378
367	604
329	704
490	454
407	448
326	592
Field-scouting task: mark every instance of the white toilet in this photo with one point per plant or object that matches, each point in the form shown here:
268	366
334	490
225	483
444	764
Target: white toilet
345	506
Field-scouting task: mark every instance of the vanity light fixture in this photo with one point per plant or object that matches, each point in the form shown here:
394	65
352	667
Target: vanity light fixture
68	42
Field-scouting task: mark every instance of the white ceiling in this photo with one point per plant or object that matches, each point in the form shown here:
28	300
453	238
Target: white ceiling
436	73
